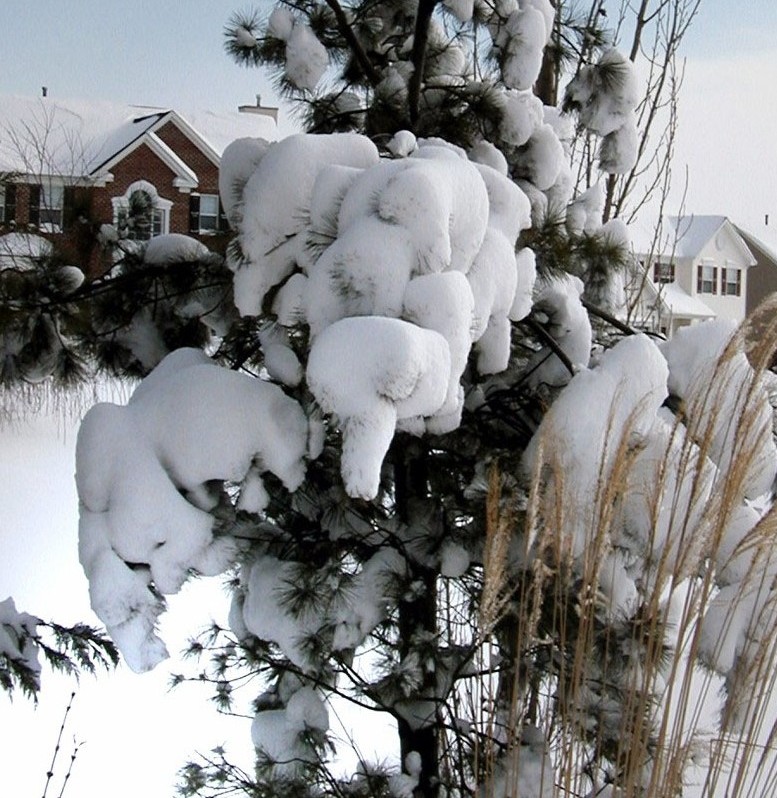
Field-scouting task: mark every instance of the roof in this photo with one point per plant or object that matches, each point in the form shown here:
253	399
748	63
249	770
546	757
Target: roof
684	236
675	301
79	138
753	242
121	138
681	304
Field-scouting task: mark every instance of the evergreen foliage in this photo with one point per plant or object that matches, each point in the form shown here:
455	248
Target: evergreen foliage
70	649
495	649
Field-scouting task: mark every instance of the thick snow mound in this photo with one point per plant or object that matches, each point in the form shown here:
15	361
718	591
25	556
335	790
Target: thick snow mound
619	398
174	248
275	203
145	476
239	161
413	257
371	372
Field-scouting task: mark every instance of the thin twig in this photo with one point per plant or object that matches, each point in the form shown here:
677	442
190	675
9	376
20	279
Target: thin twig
50	772
73	756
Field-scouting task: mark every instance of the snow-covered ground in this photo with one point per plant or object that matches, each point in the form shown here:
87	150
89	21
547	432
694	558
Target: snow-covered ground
135	733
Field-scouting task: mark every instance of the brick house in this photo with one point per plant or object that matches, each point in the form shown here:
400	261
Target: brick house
68	167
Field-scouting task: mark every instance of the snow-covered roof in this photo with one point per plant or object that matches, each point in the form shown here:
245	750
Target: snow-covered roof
78	138
121	138
684	236
688	235
681	304
755	242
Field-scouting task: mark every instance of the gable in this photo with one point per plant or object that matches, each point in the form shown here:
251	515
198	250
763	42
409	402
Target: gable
191	154
142	162
727	246
185	178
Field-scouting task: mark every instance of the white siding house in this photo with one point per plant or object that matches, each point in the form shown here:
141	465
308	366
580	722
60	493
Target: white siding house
693	268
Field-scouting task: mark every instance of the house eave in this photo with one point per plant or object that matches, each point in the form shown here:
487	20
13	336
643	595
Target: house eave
185	178
190	133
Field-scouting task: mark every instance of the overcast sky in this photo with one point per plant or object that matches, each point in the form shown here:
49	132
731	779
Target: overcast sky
166	53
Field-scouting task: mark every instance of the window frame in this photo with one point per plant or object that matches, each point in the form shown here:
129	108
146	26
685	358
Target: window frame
8	204
704	280
736	283
214	228
664	272
160	217
51	206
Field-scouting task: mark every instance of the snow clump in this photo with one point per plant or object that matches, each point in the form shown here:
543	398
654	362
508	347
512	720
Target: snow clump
145	489
413	257
306	57
283	735
18	638
605	96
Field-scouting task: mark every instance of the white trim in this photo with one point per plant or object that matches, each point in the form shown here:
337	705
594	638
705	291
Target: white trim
160	203
185	177
739	243
185	180
190	133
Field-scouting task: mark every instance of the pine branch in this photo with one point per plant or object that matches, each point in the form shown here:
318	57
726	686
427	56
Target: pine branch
353	42
609	318
550	342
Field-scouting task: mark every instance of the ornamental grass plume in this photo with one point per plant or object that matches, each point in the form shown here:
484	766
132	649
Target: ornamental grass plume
643	614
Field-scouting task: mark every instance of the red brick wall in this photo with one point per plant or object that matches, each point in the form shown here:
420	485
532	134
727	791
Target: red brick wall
22	205
143	164
207	173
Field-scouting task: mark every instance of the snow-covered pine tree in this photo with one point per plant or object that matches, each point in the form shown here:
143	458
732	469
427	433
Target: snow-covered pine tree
429	515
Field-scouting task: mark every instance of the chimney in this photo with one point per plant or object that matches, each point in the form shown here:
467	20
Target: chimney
259	109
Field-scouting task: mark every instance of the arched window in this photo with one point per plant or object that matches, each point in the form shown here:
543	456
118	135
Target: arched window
141	213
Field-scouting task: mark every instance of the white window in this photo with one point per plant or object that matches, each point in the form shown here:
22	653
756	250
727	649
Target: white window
52	199
141	213
160	222
707	279
732	282
209	213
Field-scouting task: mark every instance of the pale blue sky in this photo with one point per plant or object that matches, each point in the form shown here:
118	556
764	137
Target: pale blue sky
726	27
170	53
145	52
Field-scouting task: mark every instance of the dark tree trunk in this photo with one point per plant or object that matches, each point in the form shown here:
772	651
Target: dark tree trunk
546	87
417	615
